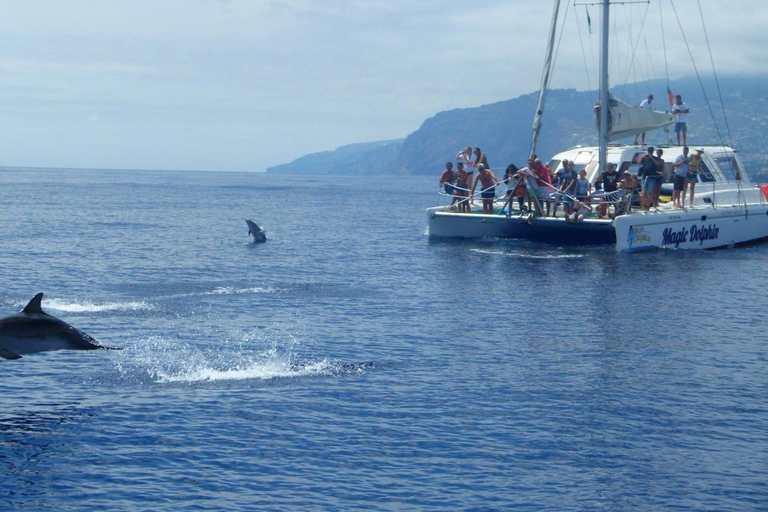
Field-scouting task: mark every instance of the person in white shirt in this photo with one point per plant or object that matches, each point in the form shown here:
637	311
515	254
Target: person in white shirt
645	105
681	175
680	111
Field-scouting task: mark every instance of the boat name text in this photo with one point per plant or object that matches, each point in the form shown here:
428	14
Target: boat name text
694	234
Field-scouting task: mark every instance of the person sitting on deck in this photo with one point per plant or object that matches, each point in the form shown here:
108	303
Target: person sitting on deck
627	186
489	181
581	209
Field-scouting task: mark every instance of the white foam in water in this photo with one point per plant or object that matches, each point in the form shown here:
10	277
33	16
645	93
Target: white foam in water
92	307
517	254
265	370
225	290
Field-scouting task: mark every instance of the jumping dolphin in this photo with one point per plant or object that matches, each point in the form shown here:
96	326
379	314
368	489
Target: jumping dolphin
259	235
33	330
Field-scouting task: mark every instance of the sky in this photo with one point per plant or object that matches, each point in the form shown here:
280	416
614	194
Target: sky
241	85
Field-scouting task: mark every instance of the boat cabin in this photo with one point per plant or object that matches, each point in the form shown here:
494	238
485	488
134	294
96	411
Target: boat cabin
720	164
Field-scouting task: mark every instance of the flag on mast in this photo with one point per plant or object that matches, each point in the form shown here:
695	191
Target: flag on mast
671	97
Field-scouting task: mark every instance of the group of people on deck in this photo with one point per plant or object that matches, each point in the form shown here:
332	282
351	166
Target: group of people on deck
570	188
566	186
462	183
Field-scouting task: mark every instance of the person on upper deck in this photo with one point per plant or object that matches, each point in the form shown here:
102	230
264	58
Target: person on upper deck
680	110
645	105
680	176
489	181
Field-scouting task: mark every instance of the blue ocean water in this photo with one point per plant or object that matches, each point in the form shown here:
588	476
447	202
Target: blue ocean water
350	363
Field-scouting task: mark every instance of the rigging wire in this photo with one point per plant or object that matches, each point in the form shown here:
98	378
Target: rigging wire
583	53
664	44
633	46
714	72
698	75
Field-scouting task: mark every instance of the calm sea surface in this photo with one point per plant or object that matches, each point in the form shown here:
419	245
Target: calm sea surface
349	363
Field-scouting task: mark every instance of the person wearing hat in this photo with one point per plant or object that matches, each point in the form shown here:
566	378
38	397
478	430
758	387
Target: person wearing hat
645	105
694	166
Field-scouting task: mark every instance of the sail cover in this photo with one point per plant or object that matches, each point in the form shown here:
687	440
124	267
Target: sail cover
627	120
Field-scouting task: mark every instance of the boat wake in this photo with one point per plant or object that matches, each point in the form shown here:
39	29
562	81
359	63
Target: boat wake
88	306
528	255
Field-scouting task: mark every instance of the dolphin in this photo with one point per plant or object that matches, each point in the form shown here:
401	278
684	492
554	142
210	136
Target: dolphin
259	235
33	330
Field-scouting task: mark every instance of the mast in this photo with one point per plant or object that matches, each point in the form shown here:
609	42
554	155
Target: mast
603	152
545	76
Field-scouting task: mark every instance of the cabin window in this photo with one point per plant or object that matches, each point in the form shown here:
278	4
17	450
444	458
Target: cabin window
583	158
637	157
628	166
553	164
705	174
729	167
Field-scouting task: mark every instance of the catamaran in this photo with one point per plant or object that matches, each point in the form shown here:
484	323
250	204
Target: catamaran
727	210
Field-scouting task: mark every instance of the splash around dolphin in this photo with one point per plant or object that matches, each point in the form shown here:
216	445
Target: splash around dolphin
33	330
259	235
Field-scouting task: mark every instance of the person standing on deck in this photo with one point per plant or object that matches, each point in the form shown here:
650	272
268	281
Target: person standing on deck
681	175
662	177
544	181
465	157
568	188
694	166
447	179
489	181
680	111
647	175
461	190
645	105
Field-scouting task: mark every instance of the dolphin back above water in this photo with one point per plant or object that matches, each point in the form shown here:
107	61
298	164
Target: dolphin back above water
33	330
259	235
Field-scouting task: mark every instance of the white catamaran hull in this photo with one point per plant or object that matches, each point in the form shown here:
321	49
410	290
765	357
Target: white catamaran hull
700	228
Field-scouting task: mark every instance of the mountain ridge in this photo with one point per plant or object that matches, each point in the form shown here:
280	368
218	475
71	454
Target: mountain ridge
503	129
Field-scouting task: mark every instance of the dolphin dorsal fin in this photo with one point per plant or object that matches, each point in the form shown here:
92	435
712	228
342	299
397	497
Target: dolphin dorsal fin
35	305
